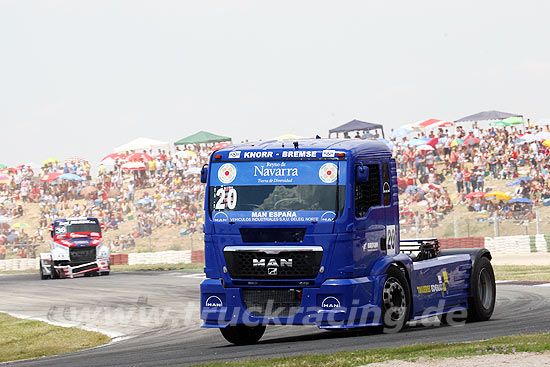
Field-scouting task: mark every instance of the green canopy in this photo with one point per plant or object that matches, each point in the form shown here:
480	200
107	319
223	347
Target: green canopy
514	120
202	137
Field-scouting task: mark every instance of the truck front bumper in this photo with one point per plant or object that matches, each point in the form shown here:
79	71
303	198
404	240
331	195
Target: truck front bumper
335	304
69	271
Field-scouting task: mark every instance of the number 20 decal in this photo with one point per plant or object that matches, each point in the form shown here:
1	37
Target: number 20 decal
391	238
226	199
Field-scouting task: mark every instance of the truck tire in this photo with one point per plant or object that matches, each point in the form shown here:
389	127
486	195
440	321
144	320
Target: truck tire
242	334
42	276
483	291
53	272
396	301
105	273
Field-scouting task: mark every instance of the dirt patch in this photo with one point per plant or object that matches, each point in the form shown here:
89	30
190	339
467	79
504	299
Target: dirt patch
490	360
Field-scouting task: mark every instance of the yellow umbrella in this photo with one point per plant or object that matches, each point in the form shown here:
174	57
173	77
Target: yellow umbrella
546	143
190	152
499	195
19	225
50	160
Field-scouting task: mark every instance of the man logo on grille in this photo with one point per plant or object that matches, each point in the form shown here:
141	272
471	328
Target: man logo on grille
272	271
273	263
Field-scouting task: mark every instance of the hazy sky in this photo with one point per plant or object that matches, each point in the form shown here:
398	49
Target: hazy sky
81	77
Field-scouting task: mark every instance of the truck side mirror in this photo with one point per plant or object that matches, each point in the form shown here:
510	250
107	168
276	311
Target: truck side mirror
204	173
50	228
361	174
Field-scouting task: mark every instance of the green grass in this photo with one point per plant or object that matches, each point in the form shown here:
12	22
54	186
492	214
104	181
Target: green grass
22	339
516	272
521	343
188	268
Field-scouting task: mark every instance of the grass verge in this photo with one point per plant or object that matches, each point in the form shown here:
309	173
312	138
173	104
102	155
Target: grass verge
187	268
516	272
22	339
508	344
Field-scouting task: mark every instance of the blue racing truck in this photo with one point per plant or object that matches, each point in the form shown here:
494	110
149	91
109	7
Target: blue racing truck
307	233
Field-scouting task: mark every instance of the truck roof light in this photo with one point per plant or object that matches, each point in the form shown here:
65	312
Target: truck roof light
217	156
341	154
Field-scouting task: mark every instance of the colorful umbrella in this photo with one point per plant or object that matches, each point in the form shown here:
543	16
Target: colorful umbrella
139	157
19	225
546	143
50	160
425	147
455	142
114	157
499	195
443	124
543	135
4	179
224	144
71	177
475	194
521	201
134	166
471	141
415	142
399	133
49	177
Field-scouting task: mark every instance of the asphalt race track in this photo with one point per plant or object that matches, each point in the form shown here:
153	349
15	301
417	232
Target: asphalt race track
154	317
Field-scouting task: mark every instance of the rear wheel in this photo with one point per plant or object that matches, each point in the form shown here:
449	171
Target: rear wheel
242	334
396	300
482	300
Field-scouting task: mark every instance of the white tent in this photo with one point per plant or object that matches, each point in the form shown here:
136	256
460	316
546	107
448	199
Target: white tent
141	144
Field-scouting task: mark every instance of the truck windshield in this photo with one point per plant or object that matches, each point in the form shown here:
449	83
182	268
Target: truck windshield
82	227
276	191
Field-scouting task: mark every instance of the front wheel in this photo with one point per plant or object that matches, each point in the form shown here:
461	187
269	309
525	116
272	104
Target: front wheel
483	291
53	273
242	334
42	275
396	300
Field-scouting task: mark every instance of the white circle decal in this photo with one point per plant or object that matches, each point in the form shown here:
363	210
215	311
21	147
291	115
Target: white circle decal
227	173
328	172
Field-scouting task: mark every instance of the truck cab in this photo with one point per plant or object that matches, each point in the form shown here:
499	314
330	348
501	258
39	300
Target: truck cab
307	232
76	248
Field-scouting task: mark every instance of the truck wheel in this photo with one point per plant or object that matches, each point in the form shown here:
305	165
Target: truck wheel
53	272
396	300
104	273
242	334
482	301
42	275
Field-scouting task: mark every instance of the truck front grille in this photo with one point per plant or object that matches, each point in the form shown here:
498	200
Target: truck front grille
82	254
272	302
282	265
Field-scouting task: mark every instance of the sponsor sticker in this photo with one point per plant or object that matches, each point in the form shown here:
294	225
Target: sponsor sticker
329	153
235	154
328	173
227	173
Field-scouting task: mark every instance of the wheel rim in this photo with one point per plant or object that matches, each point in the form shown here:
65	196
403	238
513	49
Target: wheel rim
485	289
394	299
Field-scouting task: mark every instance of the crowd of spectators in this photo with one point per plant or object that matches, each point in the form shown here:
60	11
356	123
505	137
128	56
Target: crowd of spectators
171	197
426	159
168	183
